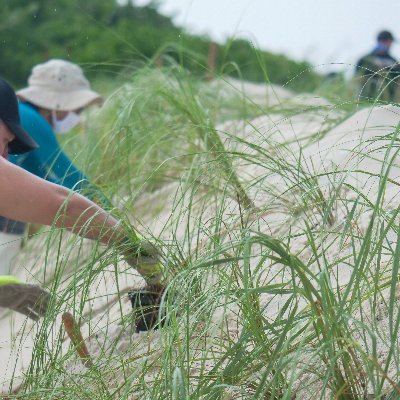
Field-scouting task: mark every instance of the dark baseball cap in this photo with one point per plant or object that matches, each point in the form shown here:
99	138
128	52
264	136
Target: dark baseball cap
385	35
9	114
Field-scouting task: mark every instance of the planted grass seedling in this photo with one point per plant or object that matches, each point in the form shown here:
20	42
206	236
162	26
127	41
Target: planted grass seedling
146	305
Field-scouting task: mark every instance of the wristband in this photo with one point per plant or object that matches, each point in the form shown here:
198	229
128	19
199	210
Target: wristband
8	279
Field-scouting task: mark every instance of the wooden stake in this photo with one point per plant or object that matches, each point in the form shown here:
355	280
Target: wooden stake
74	333
212	60
159	61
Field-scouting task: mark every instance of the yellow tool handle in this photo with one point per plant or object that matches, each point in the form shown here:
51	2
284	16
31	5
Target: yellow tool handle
8	279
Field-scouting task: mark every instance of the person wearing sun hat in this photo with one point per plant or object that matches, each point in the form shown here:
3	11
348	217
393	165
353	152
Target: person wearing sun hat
59	85
28	198
57	91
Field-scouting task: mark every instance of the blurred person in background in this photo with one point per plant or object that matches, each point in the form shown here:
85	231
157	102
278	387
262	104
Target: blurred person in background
378	71
56	94
31	199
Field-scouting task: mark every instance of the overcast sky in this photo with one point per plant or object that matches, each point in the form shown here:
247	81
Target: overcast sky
320	31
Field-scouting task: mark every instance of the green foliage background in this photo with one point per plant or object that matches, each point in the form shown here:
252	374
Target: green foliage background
108	38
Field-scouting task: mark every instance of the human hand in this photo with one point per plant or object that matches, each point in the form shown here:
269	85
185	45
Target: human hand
145	258
27	299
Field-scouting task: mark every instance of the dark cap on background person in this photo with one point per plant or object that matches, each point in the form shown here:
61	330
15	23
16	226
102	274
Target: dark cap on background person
9	114
384	36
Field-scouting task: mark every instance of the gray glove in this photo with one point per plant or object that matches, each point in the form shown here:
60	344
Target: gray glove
30	300
140	253
145	258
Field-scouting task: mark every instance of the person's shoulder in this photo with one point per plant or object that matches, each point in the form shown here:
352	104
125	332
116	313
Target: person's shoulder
367	56
26	110
31	120
4	166
361	62
371	62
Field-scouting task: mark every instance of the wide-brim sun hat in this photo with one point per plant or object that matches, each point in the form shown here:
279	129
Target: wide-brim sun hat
59	85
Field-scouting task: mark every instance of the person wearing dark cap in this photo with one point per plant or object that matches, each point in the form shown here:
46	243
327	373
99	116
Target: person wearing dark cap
378	70
22	143
28	198
57	90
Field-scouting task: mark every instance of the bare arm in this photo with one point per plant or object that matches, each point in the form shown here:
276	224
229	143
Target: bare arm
25	197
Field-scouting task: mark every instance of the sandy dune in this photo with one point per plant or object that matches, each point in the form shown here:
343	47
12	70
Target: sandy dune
329	144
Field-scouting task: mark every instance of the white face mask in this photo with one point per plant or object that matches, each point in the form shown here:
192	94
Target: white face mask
64	125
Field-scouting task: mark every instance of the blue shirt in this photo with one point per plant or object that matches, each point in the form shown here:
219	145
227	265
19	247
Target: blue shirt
48	161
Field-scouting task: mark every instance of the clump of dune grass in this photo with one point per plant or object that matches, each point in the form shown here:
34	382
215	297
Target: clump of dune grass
256	307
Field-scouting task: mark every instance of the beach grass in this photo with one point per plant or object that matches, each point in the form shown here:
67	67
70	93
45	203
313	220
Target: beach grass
283	276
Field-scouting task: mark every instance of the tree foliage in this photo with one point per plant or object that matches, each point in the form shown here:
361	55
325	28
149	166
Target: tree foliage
108	37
